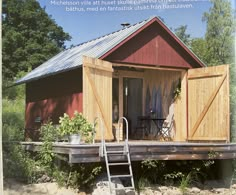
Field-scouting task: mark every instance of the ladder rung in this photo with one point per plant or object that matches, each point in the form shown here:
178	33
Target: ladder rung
124	188
115	164
117	152
116	176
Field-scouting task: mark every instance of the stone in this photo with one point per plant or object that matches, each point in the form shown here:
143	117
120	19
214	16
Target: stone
102	186
172	192
157	193
43	179
194	190
81	193
204	192
219	190
163	188
130	192
233	186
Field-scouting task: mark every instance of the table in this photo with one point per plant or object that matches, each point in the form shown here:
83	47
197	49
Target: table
147	122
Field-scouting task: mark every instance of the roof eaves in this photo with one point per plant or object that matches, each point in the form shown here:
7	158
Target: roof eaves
45	75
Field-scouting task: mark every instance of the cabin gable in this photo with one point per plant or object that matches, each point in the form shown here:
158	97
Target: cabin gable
154	46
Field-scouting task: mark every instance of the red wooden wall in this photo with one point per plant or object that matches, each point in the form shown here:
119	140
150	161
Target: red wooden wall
51	97
153	46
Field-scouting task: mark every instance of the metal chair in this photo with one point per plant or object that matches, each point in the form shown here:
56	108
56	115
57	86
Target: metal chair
166	129
142	128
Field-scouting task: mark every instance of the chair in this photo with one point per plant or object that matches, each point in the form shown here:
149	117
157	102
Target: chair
142	128
166	130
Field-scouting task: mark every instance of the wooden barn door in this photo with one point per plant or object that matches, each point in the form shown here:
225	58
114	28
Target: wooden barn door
97	94
208	104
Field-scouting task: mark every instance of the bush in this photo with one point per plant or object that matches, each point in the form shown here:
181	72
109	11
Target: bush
48	134
78	176
17	163
152	169
75	176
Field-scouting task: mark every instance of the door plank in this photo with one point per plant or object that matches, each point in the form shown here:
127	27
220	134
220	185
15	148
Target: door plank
207	106
94	89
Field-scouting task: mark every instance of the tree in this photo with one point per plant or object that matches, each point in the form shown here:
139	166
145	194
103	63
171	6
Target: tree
199	47
181	33
220	30
30	37
220	47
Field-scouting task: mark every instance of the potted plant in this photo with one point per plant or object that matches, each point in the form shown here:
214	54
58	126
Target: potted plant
75	128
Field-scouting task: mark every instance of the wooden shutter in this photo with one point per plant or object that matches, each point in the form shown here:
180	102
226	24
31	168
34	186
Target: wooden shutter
97	93
208	103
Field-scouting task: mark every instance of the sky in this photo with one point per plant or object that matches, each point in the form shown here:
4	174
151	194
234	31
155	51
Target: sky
86	25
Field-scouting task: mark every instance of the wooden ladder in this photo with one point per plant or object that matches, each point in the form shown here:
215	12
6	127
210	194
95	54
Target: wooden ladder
123	154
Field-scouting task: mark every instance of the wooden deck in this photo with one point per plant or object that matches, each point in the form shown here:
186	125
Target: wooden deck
142	150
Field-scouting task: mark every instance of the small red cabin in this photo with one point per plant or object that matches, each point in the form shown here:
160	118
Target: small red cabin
141	68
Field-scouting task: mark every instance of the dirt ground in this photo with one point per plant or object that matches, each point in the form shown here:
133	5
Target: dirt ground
12	187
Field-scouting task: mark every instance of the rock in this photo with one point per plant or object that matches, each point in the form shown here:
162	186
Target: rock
81	193
163	188
194	190
172	192
43	179
219	190
130	192
233	186
157	193
147	191
102	186
214	184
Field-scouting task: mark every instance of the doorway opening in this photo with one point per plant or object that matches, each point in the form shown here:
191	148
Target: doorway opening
132	98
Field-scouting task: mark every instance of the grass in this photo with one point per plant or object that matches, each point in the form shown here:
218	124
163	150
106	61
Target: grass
13	120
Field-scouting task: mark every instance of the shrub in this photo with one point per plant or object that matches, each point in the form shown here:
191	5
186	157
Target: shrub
78	176
75	176
142	183
16	162
152	169
48	134
19	164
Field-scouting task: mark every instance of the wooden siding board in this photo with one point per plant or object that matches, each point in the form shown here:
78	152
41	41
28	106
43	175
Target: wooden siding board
55	86
52	108
153	46
164	80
